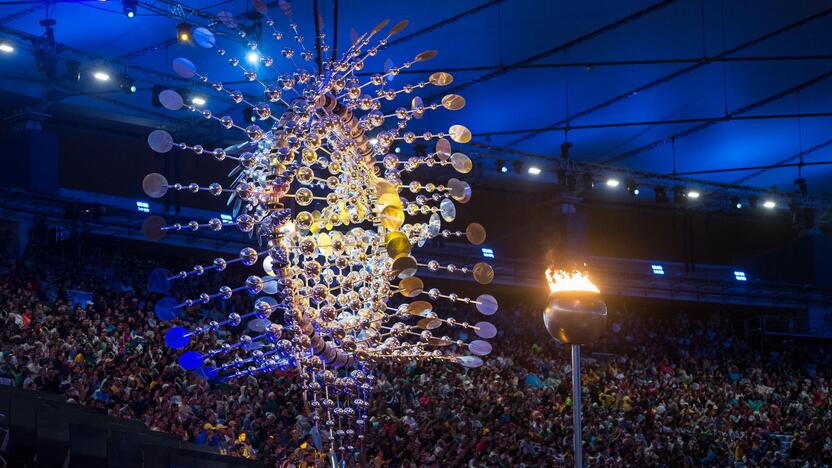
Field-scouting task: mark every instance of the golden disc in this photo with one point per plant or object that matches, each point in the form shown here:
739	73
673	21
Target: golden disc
475	233
405	267
426	55
456	188
392	217
418	107
429	323
453	102
460	134
461	163
325	244
441	79
398	246
411	287
399	27
439	342
389	199
483	273
419	308
382	187
380	26
443	148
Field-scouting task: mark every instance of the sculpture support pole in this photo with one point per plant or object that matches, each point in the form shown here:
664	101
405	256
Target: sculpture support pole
576	405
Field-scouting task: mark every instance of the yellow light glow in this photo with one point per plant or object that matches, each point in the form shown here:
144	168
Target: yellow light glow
560	281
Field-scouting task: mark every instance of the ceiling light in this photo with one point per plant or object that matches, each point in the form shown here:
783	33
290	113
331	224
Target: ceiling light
129	7
183	32
736	203
6	47
101	76
198	100
534	170
770	204
693	194
612	183
253	57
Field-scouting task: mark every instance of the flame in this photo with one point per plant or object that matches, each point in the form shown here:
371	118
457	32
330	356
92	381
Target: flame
560	281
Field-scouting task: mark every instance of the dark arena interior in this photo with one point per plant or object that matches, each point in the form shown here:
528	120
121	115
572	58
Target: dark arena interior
415	233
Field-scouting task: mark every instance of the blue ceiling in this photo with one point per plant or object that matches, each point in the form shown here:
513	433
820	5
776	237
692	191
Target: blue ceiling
492	34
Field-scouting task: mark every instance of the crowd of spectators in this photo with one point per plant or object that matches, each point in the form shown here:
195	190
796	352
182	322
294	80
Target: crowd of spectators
659	390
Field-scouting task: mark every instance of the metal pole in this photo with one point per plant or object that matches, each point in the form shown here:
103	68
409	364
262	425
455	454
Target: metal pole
576	405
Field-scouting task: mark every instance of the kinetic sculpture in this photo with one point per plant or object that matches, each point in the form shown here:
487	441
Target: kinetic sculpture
334	216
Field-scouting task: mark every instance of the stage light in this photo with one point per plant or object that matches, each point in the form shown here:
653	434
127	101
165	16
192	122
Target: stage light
183	32
501	166
128	84
632	188
101	76
253	57
198	100
487	253
397	150
613	183
657	269
226	218
534	170
129	7
6	47
770	204
693	194
143	207
740	276
736	203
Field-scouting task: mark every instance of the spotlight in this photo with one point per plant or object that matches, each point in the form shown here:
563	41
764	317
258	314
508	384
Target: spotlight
129	7
736	203
397	150
183	32
693	194
770	204
613	183
661	195
198	101
534	170
500	165
101	76
6	47
253	57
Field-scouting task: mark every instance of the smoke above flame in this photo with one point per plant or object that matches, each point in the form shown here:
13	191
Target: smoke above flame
560	280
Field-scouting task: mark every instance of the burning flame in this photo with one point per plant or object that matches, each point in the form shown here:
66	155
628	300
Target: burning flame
560	281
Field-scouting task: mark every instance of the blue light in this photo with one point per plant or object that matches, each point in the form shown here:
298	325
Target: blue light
225	218
740	276
487	253
657	269
503	169
143	207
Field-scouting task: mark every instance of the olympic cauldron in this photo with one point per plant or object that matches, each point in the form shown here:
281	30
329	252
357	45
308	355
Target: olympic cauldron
575	313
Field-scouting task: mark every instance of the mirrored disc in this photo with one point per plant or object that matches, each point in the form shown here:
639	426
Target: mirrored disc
158	282
177	338
483	273
429	324
259	325
405	267
441	79
453	102
383	187
227	18
480	347
460	134
152	228
392	217
165	308
184	67
269	285
267	265
398	27
191	360
419	308
434	225
486	304
434	341
160	141
171	100
447	209
443	148
426	55
469	361
204	37
380	26
485	330
461	192
261	6
398	246
411	287
461	163
475	233
155	185
417	105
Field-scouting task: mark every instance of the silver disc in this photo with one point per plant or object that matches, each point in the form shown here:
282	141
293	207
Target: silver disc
486	304
171	100
184	67
160	141
204	37
155	185
479	347
447	209
469	361
485	330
